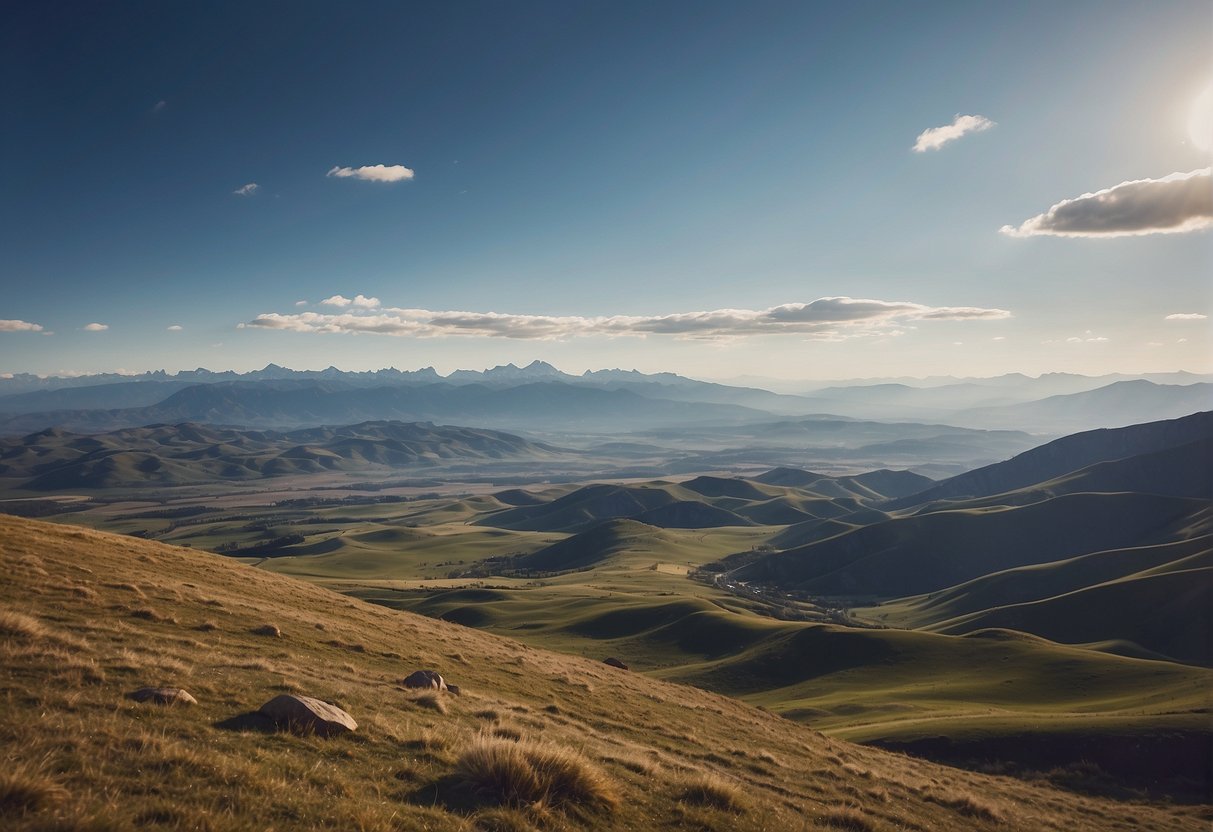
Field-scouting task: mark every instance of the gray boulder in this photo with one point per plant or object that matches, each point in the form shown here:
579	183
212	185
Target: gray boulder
303	713
430	679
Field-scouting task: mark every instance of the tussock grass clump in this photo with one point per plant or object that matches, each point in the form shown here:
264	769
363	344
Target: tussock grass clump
968	805
632	764
149	614
710	790
848	817
433	701
529	773
430	741
25	788
507	732
19	625
503	820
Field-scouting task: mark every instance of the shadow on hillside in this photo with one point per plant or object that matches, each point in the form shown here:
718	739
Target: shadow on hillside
450	792
251	722
1167	765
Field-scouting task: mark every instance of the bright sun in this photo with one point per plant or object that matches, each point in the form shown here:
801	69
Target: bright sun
1200	120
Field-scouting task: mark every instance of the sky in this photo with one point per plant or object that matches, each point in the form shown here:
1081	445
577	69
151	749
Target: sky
787	189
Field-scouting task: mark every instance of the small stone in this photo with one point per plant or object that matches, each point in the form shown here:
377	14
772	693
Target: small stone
164	696
303	713
614	662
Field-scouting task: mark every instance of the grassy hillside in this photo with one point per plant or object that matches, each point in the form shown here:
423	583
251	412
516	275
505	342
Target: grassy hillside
536	740
930	552
1065	455
1163	624
187	453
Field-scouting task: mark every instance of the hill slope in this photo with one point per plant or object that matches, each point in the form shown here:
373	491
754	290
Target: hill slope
87	617
1063	456
182	453
929	552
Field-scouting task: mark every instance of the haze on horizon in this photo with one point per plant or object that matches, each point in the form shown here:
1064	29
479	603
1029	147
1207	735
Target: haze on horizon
791	190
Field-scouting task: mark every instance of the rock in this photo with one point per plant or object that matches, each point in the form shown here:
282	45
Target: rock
267	630
614	662
424	679
164	696
454	690
303	713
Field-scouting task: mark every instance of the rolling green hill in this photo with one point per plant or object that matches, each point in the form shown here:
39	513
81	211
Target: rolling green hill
187	453
931	552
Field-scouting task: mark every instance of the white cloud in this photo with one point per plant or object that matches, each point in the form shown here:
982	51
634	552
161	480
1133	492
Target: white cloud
999	338
160	105
175	328
1087	337
19	326
1175	204
301	303
1186	316
247	190
95	327
1154	343
374	173
827	319
937	137
358	302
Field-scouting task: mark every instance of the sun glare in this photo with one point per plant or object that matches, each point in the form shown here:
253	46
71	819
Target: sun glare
1200	119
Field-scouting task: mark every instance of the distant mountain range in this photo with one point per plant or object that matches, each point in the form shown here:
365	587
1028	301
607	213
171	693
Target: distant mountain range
541	398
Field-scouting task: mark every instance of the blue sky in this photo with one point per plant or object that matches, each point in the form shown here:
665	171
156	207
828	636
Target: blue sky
589	179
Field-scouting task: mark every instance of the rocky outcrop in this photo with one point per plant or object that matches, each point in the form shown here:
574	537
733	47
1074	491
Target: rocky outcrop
303	713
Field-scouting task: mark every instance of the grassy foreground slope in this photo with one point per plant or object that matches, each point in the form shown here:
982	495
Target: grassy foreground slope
87	617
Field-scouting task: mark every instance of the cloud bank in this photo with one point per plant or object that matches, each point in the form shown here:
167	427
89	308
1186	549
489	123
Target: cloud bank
95	327
175	328
19	326
825	319
374	173
1186	316
1172	205
247	190
936	137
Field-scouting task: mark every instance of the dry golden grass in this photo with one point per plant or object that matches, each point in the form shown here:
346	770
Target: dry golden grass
27	788
968	804
710	790
850	818
433	701
78	754
525	774
18	625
